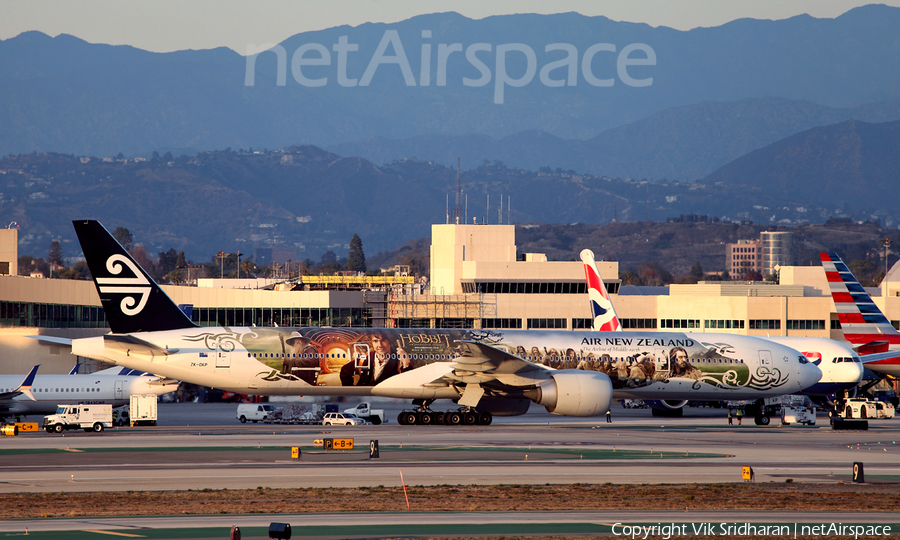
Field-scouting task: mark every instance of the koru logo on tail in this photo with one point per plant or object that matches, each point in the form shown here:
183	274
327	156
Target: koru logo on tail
129	286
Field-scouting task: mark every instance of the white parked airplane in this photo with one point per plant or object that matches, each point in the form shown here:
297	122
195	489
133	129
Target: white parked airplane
486	371
840	365
40	394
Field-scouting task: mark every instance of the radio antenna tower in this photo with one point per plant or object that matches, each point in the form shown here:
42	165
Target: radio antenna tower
457	210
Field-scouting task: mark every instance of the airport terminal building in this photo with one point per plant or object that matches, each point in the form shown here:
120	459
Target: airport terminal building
478	280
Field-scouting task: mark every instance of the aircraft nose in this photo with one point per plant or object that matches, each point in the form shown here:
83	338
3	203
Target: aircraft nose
854	371
810	374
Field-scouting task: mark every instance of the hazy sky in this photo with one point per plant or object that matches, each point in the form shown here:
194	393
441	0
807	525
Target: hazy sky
167	25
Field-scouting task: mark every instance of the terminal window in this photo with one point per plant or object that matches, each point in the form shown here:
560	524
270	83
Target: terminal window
679	323
765	324
454	323
724	323
526	287
413	323
501	323
546	323
638	323
582	324
805	324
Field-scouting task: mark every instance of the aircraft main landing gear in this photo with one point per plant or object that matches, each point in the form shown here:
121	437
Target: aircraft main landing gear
423	416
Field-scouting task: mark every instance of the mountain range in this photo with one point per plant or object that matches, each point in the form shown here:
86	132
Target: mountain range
716	93
308	200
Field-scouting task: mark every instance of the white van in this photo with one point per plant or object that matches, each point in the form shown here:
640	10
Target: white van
254	412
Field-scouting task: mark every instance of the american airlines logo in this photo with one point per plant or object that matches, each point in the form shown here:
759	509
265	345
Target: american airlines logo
130	286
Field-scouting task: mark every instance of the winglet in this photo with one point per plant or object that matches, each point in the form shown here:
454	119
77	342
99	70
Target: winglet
75	369
602	310
25	387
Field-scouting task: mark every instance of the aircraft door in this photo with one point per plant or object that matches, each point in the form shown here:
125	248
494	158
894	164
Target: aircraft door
361	355
223	359
765	358
120	389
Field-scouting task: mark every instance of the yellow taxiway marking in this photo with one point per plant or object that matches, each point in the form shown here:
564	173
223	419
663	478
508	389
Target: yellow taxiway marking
71	450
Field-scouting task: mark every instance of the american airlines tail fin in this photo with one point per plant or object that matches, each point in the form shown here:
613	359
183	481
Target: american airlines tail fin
862	322
605	318
132	301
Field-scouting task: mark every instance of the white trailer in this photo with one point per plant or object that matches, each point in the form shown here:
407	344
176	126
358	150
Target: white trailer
142	411
86	417
798	415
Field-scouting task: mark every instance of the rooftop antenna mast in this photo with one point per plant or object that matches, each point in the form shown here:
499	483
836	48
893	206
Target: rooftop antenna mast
457	210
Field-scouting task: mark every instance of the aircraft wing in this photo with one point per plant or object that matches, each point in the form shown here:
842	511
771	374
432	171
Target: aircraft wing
478	364
481	364
887	363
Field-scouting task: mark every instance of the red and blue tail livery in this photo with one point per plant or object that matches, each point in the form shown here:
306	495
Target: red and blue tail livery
861	320
605	318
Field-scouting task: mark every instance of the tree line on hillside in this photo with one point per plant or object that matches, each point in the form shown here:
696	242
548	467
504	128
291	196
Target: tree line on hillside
171	267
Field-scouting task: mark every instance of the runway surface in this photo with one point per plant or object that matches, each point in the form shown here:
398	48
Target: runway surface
200	446
413	524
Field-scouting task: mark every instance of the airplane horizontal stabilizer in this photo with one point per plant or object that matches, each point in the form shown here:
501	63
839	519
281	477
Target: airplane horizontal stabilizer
133	345
52	340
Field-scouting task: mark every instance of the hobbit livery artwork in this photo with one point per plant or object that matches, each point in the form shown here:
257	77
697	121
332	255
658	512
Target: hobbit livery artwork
574	373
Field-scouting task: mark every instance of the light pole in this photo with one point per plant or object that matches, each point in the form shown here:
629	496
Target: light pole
239	264
221	256
887	244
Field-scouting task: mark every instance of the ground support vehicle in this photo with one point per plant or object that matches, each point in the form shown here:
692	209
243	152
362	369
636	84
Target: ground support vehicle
142	411
87	417
293	413
863	408
254	412
798	415
365	411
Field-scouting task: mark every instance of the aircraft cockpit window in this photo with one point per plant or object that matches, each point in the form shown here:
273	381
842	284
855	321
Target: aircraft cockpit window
802	359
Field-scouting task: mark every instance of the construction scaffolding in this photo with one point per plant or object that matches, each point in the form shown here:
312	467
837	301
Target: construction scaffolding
440	311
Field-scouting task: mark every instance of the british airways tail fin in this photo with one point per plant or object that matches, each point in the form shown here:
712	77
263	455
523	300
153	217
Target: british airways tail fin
605	318
861	320
132	301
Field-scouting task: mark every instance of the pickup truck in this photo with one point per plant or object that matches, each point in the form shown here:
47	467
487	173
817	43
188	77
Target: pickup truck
365	411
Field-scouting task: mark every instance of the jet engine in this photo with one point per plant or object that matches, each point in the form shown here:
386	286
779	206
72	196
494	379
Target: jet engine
574	392
666	407
503	406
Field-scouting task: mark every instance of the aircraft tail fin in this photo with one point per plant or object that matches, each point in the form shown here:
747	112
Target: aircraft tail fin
132	301
602	310
861	320
25	387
